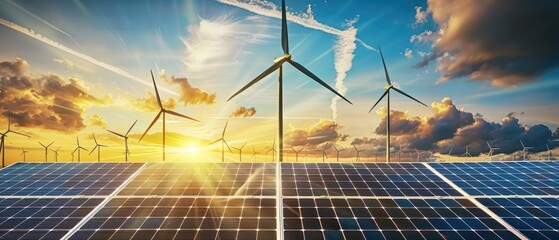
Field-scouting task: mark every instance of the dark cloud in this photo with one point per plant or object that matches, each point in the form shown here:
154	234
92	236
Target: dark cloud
451	128
189	94
46	102
244	112
321	132
507	42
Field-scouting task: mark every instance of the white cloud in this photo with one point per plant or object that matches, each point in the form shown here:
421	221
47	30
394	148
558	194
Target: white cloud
408	53
420	16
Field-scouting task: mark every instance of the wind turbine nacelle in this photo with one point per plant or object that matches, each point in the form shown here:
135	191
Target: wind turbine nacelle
284	58
388	87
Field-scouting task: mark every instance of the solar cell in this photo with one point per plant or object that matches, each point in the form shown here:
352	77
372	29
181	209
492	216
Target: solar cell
204	179
536	218
36	218
338	218
64	179
362	179
503	178
183	218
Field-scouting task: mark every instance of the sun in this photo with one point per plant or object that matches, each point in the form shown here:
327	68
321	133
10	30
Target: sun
192	148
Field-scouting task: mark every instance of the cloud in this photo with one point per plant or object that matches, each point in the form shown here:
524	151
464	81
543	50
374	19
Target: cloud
408	53
507	42
47	102
244	112
325	130
420	15
189	95
52	43
149	103
215	43
452	128
96	120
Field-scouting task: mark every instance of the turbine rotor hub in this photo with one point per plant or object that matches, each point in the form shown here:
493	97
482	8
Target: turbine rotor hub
388	87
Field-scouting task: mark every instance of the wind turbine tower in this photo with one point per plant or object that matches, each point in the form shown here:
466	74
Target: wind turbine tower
491	151
23	152
278	65
240	152
337	152
125	136
55	154
98	147
524	150
467	153
46	150
358	152
3	139
386	93
223	142
78	148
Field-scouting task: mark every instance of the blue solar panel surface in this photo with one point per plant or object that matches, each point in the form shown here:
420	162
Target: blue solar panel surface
503	178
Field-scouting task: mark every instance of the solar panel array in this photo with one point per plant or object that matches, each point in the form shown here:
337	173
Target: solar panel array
497	200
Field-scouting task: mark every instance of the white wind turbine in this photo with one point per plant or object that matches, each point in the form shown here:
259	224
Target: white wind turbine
337	152
78	148
3	139
253	153
491	151
358	152
23	152
467	153
524	150
125	137
98	147
386	93
162	111
273	150
223	142
278	65
324	156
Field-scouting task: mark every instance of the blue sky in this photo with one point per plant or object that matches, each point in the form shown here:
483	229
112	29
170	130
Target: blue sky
219	48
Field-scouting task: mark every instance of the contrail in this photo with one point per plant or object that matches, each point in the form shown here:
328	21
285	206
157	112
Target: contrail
85	57
345	45
37	17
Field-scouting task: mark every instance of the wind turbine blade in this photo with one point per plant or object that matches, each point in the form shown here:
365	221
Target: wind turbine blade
284	36
156	92
384	65
315	78
405	94
215	141
130	128
243	145
227	145
22	134
151	125
75	150
93	149
118	134
180	115
78	140
42	145
225	128
355	148
381	97
260	77
84	148
94	139
58	149
101	145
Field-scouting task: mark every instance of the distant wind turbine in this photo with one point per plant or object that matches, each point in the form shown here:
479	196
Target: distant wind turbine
223	142
491	151
162	111
253	153
297	153
386	93
549	153
324	156
273	150
2	139
524	150
23	152
358	152
337	152
78	148
125	136
46	150
467	153
278	65
55	154
98	147
240	152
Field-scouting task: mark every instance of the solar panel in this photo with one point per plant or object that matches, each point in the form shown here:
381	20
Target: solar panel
536	218
362	179
503	178
64	179
204	179
183	218
36	218
400	218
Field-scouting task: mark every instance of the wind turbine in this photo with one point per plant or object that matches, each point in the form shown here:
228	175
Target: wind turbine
223	142
467	153
297	153
162	111
549	153
524	150
450	152
78	148
125	136
491	151
358	152
55	154
418	154
278	65
386	93
23	152
98	147
271	149
240	152
253	153
324	156
46	150
337	152
2	139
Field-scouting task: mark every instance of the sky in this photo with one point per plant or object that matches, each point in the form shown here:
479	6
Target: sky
488	73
